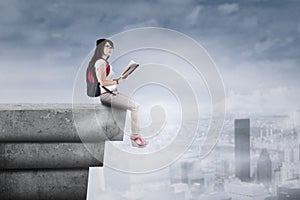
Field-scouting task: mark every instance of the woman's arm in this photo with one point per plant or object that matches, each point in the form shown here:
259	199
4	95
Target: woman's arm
101	76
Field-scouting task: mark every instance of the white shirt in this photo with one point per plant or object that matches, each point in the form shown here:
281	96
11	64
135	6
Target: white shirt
110	76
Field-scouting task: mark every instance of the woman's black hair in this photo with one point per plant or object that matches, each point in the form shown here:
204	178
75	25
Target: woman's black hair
100	43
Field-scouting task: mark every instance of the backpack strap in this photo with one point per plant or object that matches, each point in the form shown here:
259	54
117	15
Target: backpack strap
108	90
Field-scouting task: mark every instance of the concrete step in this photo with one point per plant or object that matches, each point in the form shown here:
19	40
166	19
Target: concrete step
60	123
50	155
43	184
96	183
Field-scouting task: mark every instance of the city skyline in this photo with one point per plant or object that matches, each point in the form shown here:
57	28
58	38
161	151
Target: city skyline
274	168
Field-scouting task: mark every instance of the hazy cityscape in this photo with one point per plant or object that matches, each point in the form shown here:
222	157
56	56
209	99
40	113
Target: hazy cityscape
255	158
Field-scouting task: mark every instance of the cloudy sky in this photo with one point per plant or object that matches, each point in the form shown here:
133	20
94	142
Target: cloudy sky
254	43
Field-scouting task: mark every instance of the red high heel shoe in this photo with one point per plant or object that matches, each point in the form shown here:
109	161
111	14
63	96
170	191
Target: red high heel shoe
138	142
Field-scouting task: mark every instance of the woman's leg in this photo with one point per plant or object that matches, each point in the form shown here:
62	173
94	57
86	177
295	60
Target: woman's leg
121	100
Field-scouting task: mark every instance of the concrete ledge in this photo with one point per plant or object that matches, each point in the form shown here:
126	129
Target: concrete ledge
44	184
50	155
55	123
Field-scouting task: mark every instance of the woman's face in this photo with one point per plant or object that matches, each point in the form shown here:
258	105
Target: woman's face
108	49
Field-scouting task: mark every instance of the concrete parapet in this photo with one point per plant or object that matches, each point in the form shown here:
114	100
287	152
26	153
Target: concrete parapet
55	122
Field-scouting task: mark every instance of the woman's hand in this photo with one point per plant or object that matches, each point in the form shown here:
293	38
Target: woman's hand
121	79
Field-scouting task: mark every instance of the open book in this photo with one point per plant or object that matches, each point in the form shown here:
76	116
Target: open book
129	69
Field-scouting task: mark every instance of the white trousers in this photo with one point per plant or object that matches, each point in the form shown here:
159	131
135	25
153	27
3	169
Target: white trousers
121	100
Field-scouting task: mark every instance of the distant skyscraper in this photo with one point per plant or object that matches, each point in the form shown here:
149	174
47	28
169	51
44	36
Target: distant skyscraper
264	168
184	172
242	148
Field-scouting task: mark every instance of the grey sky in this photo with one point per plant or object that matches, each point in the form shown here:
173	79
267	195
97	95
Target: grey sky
254	43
